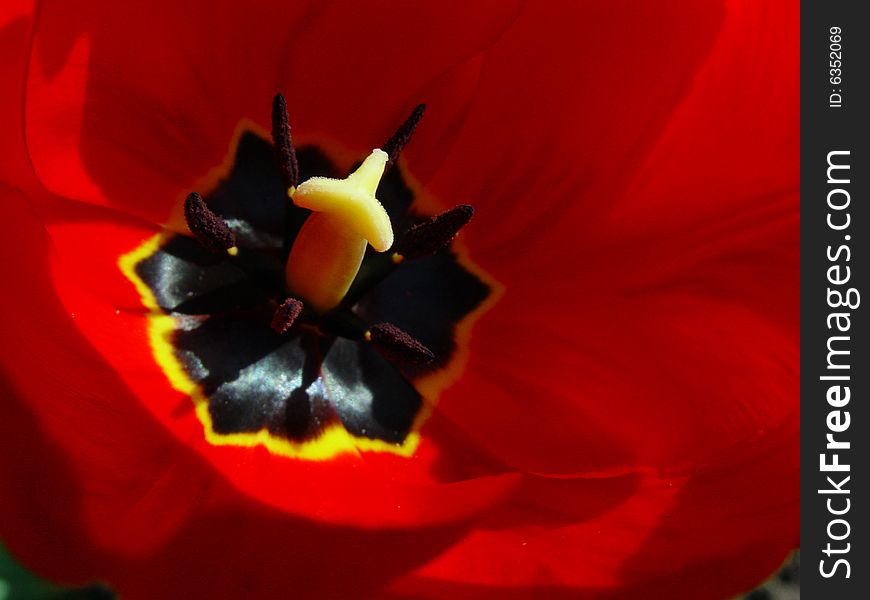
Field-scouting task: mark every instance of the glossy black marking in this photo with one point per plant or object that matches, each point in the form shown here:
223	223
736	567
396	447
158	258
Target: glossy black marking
402	136
429	236
209	229
284	151
428	297
295	384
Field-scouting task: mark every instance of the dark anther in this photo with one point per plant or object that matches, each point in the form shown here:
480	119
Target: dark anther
284	150
286	314
434	233
397	346
209	229
400	139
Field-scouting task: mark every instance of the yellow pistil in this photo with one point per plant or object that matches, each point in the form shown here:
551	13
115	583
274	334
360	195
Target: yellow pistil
329	249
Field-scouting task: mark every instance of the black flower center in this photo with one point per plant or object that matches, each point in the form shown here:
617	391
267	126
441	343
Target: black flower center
321	386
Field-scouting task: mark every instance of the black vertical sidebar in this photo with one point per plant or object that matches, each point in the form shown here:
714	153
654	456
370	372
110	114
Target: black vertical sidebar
835	262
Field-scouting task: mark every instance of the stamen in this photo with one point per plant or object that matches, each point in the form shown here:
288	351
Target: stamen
434	233
208	228
397	346
400	139
284	150
286	314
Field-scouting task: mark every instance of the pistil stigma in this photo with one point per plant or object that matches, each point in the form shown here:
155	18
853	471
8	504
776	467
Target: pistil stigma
329	249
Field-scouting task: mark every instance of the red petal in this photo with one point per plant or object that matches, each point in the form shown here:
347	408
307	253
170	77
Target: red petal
640	327
721	530
75	402
566	106
733	143
637	367
130	109
15	25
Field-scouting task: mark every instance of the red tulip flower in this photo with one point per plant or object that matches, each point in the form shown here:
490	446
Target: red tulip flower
611	408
